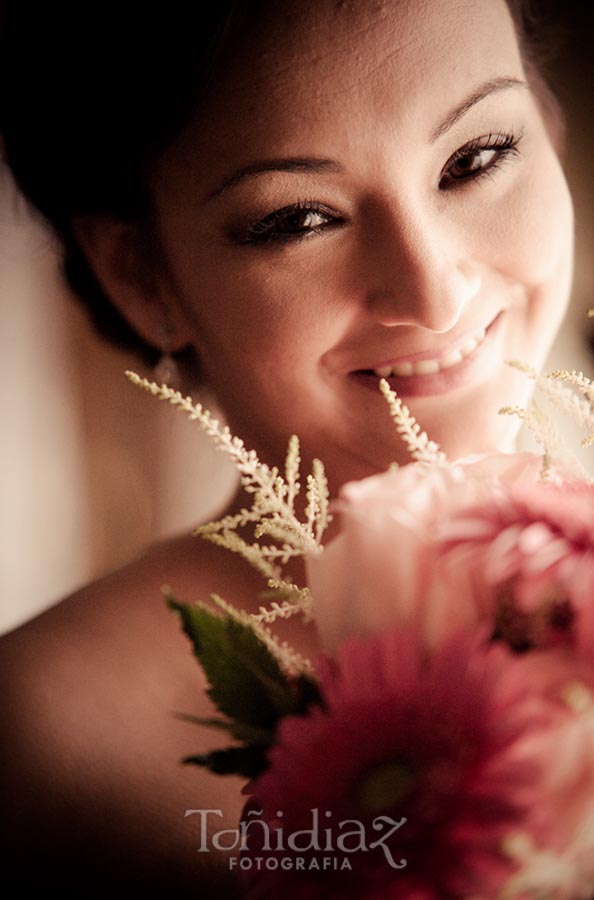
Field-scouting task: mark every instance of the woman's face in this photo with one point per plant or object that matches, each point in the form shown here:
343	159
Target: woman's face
370	191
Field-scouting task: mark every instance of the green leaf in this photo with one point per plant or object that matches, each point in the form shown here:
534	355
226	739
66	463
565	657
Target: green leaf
240	730
246	682
246	761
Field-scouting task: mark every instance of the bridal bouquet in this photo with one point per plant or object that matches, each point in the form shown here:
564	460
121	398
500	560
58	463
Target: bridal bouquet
442	746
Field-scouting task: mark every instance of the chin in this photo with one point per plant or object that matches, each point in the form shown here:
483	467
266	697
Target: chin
479	427
502	440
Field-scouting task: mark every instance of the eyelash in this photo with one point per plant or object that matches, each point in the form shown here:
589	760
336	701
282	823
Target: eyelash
505	145
263	231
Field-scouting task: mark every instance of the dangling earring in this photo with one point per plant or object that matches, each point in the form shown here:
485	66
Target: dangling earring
166	370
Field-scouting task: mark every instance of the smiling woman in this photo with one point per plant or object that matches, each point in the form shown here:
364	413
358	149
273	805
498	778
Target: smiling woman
426	223
302	197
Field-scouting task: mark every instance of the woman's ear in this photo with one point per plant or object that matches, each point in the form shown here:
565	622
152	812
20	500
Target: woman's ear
125	268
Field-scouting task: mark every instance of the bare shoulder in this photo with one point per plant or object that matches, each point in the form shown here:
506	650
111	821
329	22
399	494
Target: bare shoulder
90	761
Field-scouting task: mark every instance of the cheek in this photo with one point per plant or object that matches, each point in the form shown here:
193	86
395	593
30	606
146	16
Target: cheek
258	309
535	231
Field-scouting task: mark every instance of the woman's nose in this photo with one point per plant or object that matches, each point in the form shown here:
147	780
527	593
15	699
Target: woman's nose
422	274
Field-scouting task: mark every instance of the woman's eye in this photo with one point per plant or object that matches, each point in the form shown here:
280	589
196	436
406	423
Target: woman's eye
291	223
471	162
478	158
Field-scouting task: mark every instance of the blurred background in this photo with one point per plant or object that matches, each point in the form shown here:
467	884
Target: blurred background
92	469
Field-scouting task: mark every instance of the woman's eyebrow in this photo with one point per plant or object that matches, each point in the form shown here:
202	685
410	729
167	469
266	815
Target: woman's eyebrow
319	165
288	164
482	91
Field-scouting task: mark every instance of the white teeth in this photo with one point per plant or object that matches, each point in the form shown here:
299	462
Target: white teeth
384	371
452	359
427	367
404	368
433	366
468	347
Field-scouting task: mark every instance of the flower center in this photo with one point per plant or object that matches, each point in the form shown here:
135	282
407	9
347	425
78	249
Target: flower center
384	785
549	622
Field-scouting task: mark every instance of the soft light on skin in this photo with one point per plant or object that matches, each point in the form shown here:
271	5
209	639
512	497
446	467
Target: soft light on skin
408	267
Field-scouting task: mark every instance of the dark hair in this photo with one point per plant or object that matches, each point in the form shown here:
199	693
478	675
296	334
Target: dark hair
92	94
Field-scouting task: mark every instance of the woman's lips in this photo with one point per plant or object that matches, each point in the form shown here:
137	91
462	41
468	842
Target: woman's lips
427	376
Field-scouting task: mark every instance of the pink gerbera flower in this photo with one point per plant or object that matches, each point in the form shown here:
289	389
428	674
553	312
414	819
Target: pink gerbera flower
416	772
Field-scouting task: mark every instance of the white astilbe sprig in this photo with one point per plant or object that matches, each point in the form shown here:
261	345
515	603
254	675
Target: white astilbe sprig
420	447
272	514
292	463
545	435
318	501
289	599
586	387
563	397
290	661
556	451
558	462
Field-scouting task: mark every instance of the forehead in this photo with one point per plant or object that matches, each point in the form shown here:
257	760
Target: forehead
306	69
